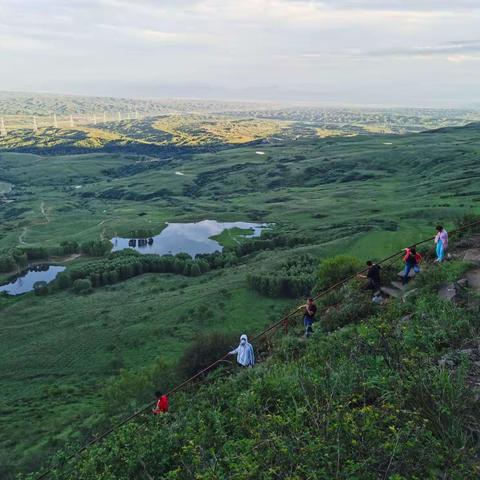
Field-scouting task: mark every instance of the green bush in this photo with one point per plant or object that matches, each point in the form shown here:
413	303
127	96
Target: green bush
40	289
293	278
463	222
82	285
64	281
353	308
131	390
7	263
333	270
203	351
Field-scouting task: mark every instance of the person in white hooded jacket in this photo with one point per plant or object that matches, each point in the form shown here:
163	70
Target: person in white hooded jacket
244	352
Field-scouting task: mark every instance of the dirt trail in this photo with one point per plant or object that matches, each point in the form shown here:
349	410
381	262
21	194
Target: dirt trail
44	212
74	256
104	230
22	235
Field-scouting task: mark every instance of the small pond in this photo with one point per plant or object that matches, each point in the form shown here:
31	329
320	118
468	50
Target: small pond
191	238
24	282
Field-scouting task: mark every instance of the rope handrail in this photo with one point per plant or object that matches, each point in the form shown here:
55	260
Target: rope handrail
256	337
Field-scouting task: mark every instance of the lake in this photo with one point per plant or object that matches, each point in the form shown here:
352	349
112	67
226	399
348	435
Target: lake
191	238
26	280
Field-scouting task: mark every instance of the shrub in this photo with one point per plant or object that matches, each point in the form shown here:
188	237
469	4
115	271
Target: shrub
40	289
7	263
354	307
465	220
333	270
82	285
96	248
203	351
293	278
64	281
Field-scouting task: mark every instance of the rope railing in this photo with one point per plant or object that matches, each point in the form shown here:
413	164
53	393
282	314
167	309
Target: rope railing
283	321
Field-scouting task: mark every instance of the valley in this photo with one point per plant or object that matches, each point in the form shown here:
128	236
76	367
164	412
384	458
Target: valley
60	353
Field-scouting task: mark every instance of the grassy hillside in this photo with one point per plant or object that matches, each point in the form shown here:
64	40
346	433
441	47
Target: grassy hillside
393	395
329	188
364	195
150	135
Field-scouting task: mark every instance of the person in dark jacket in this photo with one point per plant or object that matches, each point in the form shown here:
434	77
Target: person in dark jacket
372	276
309	316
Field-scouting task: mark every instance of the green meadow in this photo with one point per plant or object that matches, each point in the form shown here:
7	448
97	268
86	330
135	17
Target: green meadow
368	196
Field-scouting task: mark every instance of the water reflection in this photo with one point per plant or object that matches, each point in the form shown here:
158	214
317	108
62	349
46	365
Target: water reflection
25	282
191	238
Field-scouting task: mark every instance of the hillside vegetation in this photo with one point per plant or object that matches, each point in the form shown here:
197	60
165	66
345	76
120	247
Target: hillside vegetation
150	135
61	352
393	394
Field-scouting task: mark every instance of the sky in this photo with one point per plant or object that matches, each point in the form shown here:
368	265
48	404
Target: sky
365	52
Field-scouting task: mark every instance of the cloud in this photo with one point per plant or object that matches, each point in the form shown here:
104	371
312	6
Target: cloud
15	43
322	46
397	5
157	37
449	50
454	51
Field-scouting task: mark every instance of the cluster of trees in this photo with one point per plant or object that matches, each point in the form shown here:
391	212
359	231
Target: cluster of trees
126	264
294	278
269	241
12	261
19	258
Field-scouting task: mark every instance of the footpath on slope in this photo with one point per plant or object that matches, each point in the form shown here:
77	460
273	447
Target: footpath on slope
473	254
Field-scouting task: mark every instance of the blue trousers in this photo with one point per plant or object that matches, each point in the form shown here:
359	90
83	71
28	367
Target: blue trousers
408	267
440	251
308	324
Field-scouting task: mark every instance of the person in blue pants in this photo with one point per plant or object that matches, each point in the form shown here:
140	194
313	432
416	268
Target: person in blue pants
412	260
309	316
441	241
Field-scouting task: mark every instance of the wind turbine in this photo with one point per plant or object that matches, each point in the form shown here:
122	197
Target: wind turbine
3	130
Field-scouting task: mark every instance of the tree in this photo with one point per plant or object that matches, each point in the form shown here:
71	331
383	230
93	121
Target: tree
187	269
195	270
178	266
64	281
82	285
7	263
20	258
40	288
202	352
112	276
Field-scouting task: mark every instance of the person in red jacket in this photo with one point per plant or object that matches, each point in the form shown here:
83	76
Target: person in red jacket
162	403
412	259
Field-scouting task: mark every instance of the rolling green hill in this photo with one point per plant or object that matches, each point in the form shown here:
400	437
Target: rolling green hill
393	394
366	195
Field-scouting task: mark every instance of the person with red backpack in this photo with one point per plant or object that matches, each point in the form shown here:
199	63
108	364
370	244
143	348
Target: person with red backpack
162	403
412	260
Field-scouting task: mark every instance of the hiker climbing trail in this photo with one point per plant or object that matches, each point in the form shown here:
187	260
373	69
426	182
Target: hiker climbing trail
274	327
